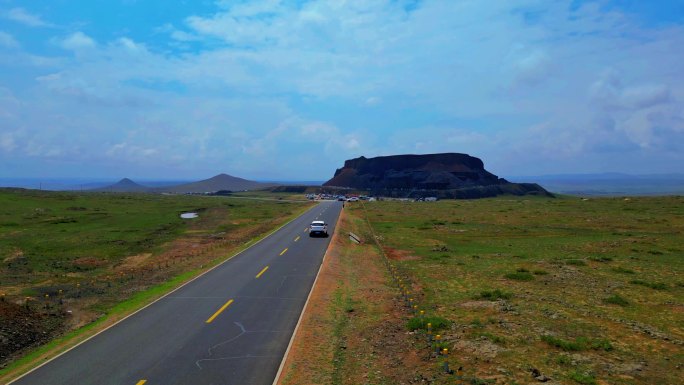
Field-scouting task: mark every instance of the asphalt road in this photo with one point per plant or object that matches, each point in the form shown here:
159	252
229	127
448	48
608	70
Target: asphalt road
230	326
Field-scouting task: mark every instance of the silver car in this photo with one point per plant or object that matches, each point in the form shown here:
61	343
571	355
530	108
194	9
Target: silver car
318	228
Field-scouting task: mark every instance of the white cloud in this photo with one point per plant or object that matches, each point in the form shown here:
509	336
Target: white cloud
348	143
319	129
22	16
645	96
7	143
644	114
7	40
130	45
373	101
274	81
9	104
183	36
132	153
77	41
529	67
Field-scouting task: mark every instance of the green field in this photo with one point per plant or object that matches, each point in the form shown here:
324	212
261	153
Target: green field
581	291
52	233
67	259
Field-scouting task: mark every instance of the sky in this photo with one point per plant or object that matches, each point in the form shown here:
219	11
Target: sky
287	90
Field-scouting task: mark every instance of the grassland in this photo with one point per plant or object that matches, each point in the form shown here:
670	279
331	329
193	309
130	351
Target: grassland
270	195
567	290
589	290
68	259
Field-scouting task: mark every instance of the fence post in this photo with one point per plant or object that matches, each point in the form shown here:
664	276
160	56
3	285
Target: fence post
445	352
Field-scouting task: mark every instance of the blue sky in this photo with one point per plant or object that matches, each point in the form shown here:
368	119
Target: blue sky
287	90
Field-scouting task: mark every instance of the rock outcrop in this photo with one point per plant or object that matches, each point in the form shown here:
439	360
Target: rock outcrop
448	175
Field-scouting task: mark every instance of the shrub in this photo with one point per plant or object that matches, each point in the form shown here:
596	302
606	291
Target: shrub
575	262
601	344
652	285
439	258
563	360
522	270
622	270
438	323
518	276
493	295
579	344
582	378
476	322
540	272
570	346
616	300
601	259
493	337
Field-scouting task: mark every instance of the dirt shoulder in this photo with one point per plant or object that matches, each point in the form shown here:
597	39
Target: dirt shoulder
354	328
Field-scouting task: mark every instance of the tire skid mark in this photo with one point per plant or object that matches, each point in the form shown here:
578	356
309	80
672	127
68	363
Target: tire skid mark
243	331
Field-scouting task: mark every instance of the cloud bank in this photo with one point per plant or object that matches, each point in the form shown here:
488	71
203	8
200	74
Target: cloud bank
288	90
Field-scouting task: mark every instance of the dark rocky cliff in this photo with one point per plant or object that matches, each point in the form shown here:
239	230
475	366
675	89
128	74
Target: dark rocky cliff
448	175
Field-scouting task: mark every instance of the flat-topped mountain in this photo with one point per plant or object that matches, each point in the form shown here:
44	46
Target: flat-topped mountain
124	185
448	175
216	183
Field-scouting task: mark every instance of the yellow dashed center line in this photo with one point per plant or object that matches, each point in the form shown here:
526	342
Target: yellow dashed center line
261	272
219	311
284	251
141	382
296	239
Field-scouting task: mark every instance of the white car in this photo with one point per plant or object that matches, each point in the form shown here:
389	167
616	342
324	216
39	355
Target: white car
318	228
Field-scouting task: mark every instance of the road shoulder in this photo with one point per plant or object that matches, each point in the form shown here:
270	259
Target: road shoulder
353	329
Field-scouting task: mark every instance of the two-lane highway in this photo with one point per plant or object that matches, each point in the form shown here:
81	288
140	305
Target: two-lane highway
232	325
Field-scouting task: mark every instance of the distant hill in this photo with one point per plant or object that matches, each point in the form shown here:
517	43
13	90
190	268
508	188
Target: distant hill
216	183
448	175
124	185
221	182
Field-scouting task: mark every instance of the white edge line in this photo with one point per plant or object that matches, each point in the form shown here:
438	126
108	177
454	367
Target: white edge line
301	315
162	297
